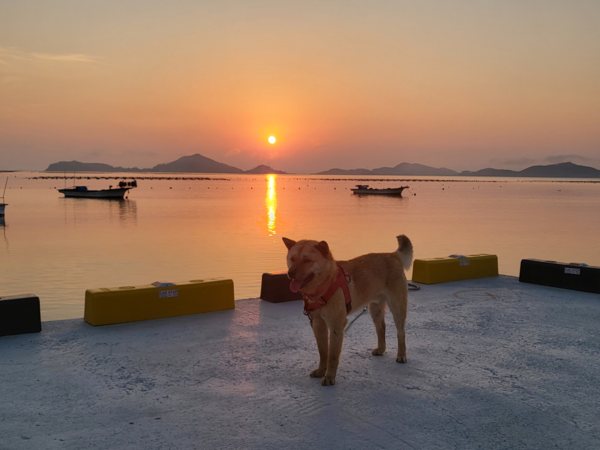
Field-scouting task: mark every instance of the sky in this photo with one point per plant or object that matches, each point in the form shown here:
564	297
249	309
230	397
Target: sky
462	84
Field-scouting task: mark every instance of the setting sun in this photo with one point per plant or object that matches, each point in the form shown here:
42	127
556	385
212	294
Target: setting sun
272	139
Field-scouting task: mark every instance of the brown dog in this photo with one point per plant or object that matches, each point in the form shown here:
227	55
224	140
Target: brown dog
375	279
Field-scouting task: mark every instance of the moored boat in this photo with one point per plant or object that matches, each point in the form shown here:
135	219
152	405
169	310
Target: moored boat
2	204
110	193
364	189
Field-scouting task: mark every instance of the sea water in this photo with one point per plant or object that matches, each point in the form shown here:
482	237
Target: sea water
177	227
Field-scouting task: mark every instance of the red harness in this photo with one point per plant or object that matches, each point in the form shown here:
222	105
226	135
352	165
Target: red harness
317	301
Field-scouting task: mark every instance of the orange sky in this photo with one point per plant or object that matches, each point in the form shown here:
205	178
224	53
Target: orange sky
458	84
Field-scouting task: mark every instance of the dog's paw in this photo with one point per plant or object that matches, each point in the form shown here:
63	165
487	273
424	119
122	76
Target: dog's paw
377	352
317	373
327	380
401	359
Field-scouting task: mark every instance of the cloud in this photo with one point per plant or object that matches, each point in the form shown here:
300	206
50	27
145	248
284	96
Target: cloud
66	58
233	152
8	54
7	79
518	162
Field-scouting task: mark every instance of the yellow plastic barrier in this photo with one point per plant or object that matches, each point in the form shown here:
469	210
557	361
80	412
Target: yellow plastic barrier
454	268
107	306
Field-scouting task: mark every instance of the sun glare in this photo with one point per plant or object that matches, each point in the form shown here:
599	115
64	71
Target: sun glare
271	204
272	139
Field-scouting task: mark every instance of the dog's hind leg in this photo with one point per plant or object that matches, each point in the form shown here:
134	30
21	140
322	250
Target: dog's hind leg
377	312
321	335
398	307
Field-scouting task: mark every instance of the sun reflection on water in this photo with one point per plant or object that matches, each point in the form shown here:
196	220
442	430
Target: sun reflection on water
271	204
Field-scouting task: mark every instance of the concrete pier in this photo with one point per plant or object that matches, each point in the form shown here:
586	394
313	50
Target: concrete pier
492	364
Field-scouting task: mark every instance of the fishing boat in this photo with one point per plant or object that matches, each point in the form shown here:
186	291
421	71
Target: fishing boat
2	204
110	193
364	189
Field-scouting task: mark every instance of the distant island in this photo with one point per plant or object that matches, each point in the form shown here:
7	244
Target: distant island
186	164
401	169
201	164
562	170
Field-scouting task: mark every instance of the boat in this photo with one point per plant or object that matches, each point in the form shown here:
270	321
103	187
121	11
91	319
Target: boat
2	204
364	189
110	193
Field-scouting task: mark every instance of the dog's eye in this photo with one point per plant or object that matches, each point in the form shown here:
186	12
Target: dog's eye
307	261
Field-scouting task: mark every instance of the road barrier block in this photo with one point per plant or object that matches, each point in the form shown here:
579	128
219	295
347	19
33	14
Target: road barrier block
107	306
454	268
20	314
275	288
574	276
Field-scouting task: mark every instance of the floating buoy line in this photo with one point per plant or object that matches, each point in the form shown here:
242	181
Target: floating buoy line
61	177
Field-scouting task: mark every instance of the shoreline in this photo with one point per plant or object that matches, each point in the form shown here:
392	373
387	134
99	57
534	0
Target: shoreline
315	177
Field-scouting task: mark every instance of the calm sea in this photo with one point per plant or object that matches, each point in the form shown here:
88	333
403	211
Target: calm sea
178	227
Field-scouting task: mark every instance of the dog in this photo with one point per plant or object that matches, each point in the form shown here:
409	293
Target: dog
331	289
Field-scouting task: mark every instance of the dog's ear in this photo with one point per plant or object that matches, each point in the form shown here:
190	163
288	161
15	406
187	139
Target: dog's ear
323	248
288	243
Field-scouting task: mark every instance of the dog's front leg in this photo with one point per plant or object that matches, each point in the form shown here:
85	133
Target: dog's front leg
336	339
320	330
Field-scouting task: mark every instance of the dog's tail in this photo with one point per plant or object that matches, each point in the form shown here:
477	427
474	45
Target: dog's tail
405	251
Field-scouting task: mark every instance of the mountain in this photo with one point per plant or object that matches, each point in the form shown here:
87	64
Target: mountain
195	164
346	172
489	172
562	170
76	166
264	170
201	164
414	169
186	164
400	169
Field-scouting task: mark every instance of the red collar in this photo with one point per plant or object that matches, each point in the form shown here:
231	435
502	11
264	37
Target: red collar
316	301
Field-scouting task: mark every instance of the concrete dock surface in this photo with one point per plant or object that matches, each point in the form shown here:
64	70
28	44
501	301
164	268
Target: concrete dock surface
492	364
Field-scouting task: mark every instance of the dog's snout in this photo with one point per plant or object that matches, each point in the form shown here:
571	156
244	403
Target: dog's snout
292	273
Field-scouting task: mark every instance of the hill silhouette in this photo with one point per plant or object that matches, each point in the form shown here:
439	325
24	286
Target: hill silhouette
561	170
264	170
201	164
76	166
195	164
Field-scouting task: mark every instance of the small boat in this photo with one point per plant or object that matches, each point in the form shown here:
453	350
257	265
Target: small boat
83	192
2	204
364	189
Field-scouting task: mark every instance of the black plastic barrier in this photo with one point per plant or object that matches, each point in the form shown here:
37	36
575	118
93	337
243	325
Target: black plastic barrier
574	276
275	288
20	314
